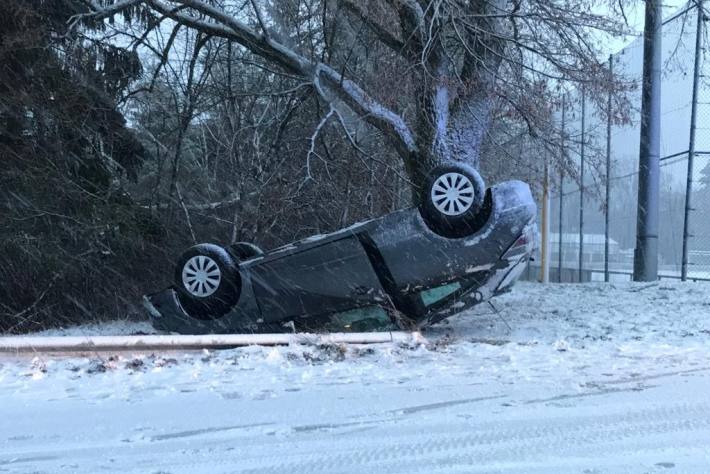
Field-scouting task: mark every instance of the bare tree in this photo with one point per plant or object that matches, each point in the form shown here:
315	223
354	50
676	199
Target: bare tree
460	58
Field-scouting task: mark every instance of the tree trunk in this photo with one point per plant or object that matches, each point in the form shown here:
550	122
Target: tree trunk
468	128
448	130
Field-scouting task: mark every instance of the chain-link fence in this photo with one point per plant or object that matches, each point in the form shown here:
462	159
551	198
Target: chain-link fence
594	204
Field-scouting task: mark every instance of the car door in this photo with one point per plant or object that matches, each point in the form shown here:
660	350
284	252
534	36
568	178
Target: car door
333	276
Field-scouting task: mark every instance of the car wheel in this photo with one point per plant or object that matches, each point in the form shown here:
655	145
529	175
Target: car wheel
451	199
208	282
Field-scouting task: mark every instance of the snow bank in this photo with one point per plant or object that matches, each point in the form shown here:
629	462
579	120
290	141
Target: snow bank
535	331
112	328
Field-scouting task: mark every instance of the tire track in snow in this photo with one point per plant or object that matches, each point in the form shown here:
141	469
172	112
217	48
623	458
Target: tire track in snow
535	440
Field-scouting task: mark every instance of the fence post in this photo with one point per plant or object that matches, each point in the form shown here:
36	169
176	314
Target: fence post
608	173
562	194
647	218
581	194
545	253
691	143
559	228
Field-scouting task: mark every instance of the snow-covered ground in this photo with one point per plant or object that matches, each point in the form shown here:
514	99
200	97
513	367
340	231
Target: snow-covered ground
568	378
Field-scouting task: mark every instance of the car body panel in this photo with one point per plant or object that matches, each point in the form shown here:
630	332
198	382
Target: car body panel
418	258
316	279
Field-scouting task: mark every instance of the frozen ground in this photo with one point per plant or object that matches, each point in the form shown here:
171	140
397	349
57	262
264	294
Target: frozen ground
586	379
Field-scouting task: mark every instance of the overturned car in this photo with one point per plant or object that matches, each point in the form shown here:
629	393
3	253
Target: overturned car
408	269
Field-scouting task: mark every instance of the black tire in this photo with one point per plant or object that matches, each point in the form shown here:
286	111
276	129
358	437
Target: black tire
245	250
207	281
451	199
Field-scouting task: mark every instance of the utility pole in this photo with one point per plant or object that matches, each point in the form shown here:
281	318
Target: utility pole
691	144
608	172
581	191
646	251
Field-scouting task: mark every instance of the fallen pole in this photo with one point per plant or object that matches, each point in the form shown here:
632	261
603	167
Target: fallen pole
193	342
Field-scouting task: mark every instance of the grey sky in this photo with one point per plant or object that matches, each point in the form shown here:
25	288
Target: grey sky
635	16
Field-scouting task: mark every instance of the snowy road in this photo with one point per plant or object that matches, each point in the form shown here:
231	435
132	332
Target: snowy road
589	379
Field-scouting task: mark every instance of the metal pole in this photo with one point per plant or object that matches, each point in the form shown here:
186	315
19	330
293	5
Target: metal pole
646	251
545	254
581	194
608	173
559	228
562	195
691	143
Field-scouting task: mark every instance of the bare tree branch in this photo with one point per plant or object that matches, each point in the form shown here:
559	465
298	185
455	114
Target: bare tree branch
98	12
348	91
384	35
463	59
257	11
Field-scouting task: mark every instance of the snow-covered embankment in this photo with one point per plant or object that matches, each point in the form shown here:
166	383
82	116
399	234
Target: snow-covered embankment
602	378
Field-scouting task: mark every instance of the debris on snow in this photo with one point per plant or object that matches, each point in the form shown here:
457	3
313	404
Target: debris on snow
561	345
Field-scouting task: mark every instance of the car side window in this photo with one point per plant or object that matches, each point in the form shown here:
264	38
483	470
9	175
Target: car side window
438	293
368	318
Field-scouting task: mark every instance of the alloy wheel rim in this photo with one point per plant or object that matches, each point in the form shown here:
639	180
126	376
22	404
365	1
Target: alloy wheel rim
201	276
452	194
